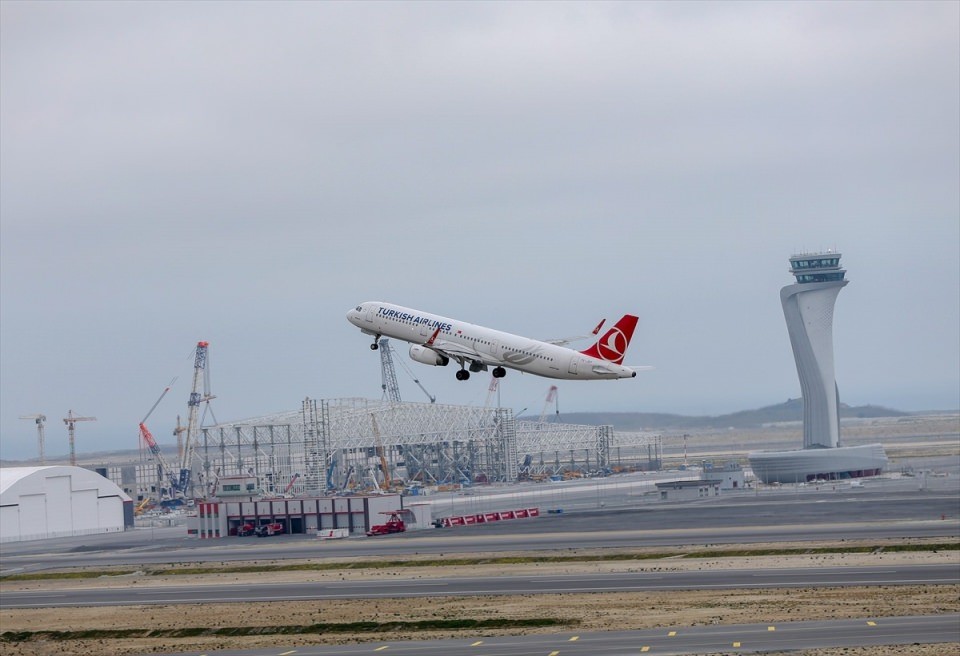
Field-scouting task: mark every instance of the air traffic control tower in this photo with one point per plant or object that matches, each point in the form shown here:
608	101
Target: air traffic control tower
808	308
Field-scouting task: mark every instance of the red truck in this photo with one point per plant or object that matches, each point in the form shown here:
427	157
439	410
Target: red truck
393	525
246	529
264	530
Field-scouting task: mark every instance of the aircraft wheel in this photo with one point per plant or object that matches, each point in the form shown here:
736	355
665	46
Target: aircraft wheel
499	372
374	346
463	374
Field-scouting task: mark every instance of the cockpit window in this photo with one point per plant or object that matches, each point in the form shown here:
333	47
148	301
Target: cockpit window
359	308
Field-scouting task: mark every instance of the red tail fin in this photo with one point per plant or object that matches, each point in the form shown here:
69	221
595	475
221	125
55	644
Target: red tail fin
613	345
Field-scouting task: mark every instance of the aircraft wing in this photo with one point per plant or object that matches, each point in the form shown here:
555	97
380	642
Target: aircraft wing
563	341
458	352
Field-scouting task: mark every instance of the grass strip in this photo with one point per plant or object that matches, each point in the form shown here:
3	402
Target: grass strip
296	629
505	560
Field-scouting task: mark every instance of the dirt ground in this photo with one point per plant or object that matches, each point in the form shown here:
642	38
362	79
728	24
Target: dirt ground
584	612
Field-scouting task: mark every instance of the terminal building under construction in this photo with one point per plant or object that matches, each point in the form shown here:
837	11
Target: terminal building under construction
352	445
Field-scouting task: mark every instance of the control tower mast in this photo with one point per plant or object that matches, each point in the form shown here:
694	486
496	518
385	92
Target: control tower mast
808	309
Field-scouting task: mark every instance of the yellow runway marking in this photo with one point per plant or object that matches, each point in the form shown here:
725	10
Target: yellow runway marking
671	634
287	653
574	639
645	648
871	623
381	648
736	644
554	653
771	628
477	643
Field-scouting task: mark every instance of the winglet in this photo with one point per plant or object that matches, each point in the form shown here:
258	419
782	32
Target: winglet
432	337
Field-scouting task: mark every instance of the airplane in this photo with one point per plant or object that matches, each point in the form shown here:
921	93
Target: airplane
437	340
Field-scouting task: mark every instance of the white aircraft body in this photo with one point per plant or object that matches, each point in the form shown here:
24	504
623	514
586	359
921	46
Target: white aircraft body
437	340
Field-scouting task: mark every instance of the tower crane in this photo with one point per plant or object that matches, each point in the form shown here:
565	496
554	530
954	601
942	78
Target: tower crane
39	419
71	422
196	398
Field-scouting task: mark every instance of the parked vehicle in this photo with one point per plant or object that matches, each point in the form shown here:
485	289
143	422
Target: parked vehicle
246	529
393	525
265	530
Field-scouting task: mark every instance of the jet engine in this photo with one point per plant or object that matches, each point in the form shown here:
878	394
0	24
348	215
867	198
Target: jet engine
428	356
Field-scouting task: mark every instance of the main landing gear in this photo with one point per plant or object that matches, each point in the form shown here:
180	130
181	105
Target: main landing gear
463	374
499	372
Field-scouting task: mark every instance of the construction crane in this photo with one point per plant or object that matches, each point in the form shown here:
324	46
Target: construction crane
491	390
178	433
39	419
388	375
71	422
387	479
391	390
196	398
166	471
551	398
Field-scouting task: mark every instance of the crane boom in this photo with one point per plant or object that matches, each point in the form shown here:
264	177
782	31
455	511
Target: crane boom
551	397
387	479
167	472
199	372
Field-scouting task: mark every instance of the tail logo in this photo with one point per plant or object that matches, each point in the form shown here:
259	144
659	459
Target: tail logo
613	346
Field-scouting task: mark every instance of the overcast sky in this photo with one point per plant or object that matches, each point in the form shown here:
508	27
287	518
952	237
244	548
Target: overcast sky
244	173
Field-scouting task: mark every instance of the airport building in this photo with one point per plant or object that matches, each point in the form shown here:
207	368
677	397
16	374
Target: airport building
808	308
59	501
354	446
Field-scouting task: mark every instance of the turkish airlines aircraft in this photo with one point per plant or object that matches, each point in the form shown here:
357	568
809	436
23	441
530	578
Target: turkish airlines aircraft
437	340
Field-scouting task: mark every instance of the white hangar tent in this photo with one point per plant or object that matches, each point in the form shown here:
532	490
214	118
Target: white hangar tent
59	501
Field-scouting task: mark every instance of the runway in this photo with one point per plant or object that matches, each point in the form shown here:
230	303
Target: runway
809	516
135	594
801	516
738	638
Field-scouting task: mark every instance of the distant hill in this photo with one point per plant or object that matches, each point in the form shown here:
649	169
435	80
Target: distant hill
792	410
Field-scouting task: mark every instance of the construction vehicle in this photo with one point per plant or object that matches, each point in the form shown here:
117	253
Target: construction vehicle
145	504
265	530
393	525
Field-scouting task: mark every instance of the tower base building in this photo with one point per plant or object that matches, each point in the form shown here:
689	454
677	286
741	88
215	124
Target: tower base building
806	465
808	309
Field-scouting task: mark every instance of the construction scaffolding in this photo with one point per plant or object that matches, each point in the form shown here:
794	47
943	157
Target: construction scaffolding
353	444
